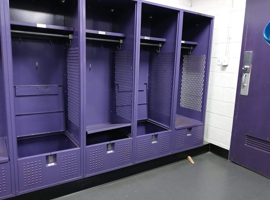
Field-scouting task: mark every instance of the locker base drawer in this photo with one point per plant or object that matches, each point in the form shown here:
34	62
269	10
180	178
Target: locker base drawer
48	169
188	138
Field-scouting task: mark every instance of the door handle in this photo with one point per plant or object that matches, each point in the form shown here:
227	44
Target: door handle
246	72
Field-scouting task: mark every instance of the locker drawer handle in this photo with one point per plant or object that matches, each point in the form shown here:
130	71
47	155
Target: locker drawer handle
154	139
110	148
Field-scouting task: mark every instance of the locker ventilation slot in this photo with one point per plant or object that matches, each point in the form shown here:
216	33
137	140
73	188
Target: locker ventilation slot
192	82
123	83
69	166
160	87
32	173
258	143
73	81
3	186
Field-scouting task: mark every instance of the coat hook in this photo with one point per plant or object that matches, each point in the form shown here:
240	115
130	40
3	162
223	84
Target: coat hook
90	67
158	48
68	44
190	50
36	65
20	39
50	41
119	47
101	46
70	37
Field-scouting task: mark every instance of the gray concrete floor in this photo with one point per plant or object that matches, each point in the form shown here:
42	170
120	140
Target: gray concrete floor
210	178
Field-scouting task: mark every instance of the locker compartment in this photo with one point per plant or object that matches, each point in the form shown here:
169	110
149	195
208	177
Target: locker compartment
156	71
46	83
110	40
156	67
108	150
192	86
152	141
109	64
188	138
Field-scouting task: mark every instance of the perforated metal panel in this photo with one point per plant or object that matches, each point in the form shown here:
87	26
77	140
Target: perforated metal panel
192	84
197	133
3	181
69	165
73	82
124	152
160	87
144	147
123	83
96	158
180	139
164	143
32	173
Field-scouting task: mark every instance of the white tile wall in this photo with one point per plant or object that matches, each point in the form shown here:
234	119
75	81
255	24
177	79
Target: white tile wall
227	39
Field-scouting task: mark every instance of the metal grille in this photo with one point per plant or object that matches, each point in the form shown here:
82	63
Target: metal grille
96	161
180	139
73	82
160	87
144	147
192	85
32	173
124	152
123	83
197	133
3	186
164	143
69	165
258	143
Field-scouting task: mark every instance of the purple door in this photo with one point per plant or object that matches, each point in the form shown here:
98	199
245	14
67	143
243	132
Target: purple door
250	146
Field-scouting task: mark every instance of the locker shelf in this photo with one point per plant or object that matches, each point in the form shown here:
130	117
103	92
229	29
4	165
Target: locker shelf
30	146
189	43
104	33
106	36
185	122
105	127
153	39
3	151
41	28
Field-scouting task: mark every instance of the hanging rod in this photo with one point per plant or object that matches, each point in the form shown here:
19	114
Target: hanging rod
70	36
149	44
190	48
104	40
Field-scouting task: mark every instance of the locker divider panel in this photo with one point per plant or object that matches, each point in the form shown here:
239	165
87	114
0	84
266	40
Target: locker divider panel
7	184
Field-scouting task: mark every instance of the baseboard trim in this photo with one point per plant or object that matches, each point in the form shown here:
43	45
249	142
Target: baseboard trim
224	153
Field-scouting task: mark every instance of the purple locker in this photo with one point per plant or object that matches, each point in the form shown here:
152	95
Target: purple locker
109	91
158	35
45	86
191	81
6	159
